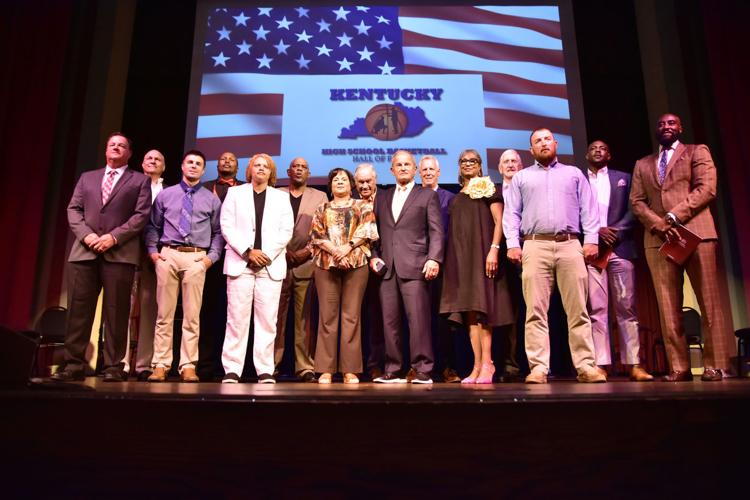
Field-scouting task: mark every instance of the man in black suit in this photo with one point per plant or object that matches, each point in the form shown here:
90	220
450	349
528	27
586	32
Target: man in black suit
411	249
107	212
617	272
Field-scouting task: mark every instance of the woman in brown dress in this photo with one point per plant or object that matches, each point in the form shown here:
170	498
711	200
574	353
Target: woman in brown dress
475	292
342	231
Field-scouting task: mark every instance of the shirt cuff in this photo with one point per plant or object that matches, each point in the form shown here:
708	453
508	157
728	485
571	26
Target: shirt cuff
591	239
513	243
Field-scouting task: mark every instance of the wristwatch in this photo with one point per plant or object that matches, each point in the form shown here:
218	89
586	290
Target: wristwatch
671	218
495	246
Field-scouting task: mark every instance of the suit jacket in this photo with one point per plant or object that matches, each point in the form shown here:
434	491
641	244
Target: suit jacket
238	229
221	190
689	186
123	216
311	198
619	215
417	237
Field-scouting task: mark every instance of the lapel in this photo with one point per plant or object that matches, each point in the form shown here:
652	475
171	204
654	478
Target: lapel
387	201
409	200
120	183
305	205
614	200
678	152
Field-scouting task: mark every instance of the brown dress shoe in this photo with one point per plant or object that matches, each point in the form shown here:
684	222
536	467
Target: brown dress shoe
711	375
450	376
678	376
639	374
189	375
159	375
592	375
536	377
411	375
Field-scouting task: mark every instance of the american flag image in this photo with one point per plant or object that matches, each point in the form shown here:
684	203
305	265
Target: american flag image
516	50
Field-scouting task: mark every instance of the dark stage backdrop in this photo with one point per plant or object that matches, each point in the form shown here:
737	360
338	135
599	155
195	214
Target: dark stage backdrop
88	68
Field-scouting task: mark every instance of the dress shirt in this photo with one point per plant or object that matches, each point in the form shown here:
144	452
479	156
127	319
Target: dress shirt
205	229
601	187
156	188
259	199
117	177
670	152
399	198
556	199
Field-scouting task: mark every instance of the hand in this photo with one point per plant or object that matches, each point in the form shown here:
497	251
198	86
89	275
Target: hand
342	262
608	236
104	243
341	252
206	262
299	257
590	252
661	228
672	234
156	257
374	261
430	270
257	258
90	239
490	267
514	255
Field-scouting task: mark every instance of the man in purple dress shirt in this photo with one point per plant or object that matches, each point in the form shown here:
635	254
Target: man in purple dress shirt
549	203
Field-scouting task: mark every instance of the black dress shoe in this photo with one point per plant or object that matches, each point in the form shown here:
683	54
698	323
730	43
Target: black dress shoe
68	375
511	378
678	376
114	377
307	377
144	375
711	375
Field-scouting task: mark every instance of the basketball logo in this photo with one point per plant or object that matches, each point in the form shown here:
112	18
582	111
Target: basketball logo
386	122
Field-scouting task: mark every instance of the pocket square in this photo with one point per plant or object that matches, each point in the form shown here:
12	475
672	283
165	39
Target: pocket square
621	183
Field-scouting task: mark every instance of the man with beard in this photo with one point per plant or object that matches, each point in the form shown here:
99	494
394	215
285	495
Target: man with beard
674	187
548	203
612	188
214	310
304	201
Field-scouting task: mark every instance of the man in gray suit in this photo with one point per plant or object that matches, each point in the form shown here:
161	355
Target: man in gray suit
304	201
411	249
616	273
107	212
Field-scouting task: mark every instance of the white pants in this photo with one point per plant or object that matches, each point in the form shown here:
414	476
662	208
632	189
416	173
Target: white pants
618	278
256	293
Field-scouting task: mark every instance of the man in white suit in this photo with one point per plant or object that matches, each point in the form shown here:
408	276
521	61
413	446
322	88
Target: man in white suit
257	224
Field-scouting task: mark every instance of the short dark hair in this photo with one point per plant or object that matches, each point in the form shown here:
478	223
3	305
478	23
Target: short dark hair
466	152
537	130
334	172
120	134
194	152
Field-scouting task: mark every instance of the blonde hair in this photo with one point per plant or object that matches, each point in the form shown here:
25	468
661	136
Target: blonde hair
271	166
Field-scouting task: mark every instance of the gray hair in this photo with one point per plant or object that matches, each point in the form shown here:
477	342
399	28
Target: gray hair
364	166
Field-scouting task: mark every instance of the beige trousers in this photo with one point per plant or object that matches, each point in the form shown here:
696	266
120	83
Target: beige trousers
544	264
174	271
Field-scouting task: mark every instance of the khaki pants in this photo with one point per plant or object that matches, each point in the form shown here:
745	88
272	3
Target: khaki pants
174	271
544	264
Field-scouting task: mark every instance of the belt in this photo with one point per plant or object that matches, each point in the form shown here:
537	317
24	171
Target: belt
185	249
552	237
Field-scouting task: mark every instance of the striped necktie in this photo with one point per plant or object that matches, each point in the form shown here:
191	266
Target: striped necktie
186	214
107	187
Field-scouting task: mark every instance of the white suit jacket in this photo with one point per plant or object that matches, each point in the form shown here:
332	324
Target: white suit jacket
238	229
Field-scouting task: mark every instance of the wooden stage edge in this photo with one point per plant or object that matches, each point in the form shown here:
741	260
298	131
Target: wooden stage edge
294	440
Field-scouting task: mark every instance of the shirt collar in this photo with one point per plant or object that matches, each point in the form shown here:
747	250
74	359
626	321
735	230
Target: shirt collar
185	187
119	170
602	171
552	164
407	187
672	147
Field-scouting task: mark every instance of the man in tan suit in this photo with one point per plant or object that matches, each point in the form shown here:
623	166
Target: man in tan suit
304	201
674	187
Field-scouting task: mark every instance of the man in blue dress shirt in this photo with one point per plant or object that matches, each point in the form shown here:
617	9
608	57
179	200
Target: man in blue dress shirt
549	203
185	225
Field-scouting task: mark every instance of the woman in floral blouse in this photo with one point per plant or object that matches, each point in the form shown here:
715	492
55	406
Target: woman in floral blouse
342	231
475	292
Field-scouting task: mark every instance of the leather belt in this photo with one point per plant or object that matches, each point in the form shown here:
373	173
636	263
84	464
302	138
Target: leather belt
552	237
185	249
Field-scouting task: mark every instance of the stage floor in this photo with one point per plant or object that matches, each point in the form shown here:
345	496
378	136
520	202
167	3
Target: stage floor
560	390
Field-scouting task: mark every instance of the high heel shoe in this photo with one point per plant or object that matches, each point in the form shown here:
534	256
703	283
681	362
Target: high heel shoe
472	378
485	376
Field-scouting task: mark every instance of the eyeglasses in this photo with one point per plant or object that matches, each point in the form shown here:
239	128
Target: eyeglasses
468	161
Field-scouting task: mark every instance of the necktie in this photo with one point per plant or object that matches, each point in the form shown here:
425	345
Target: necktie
186	214
663	165
107	188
